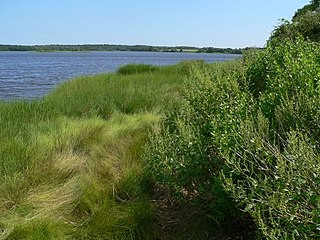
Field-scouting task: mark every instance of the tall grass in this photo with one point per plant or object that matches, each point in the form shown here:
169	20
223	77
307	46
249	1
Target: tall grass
70	163
137	68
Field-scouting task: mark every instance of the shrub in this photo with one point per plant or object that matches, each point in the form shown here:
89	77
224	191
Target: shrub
284	77
274	162
253	134
305	22
185	154
278	185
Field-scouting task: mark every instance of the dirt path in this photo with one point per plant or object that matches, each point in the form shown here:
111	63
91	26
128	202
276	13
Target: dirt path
184	221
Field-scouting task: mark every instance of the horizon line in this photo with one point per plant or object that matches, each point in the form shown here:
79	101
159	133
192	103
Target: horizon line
119	44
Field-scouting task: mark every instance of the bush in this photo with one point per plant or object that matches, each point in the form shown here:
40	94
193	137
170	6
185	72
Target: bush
186	152
277	184
274	163
287	78
305	22
249	139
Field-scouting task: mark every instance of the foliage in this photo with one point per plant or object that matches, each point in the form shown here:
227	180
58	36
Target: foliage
274	161
277	185
313	6
285	77
186	152
247	136
305	22
221	50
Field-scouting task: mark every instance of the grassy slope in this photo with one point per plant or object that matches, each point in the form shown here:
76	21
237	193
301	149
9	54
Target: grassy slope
70	163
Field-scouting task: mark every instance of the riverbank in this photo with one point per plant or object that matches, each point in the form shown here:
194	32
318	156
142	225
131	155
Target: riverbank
193	150
71	163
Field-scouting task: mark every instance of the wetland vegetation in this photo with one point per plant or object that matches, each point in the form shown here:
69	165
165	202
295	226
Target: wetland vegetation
190	151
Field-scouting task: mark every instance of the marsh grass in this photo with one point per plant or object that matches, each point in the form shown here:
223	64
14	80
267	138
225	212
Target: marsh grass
104	94
70	162
137	68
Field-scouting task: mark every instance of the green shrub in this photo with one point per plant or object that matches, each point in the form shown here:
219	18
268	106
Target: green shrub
186	152
254	132
274	162
305	22
277	184
282	74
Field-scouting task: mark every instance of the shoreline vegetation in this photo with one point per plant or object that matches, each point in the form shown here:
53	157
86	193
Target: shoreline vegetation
192	150
228	150
71	165
109	47
76	164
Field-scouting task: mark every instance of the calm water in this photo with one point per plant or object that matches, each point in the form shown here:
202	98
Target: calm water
25	75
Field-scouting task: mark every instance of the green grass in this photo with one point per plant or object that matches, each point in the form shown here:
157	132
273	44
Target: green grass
70	163
137	68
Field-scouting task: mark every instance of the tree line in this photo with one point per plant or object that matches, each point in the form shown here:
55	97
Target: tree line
110	47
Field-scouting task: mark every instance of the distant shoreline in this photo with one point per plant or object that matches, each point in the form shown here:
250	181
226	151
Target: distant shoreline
109	48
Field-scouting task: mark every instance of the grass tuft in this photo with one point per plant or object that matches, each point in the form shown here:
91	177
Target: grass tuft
137	68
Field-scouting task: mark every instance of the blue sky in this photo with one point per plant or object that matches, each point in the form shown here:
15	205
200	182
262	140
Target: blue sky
216	23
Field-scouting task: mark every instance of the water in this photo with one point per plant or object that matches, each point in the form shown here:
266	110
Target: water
27	75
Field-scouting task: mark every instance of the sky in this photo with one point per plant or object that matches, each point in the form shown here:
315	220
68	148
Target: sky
199	23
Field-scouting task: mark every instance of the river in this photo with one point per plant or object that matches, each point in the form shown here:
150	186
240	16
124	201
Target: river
28	75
